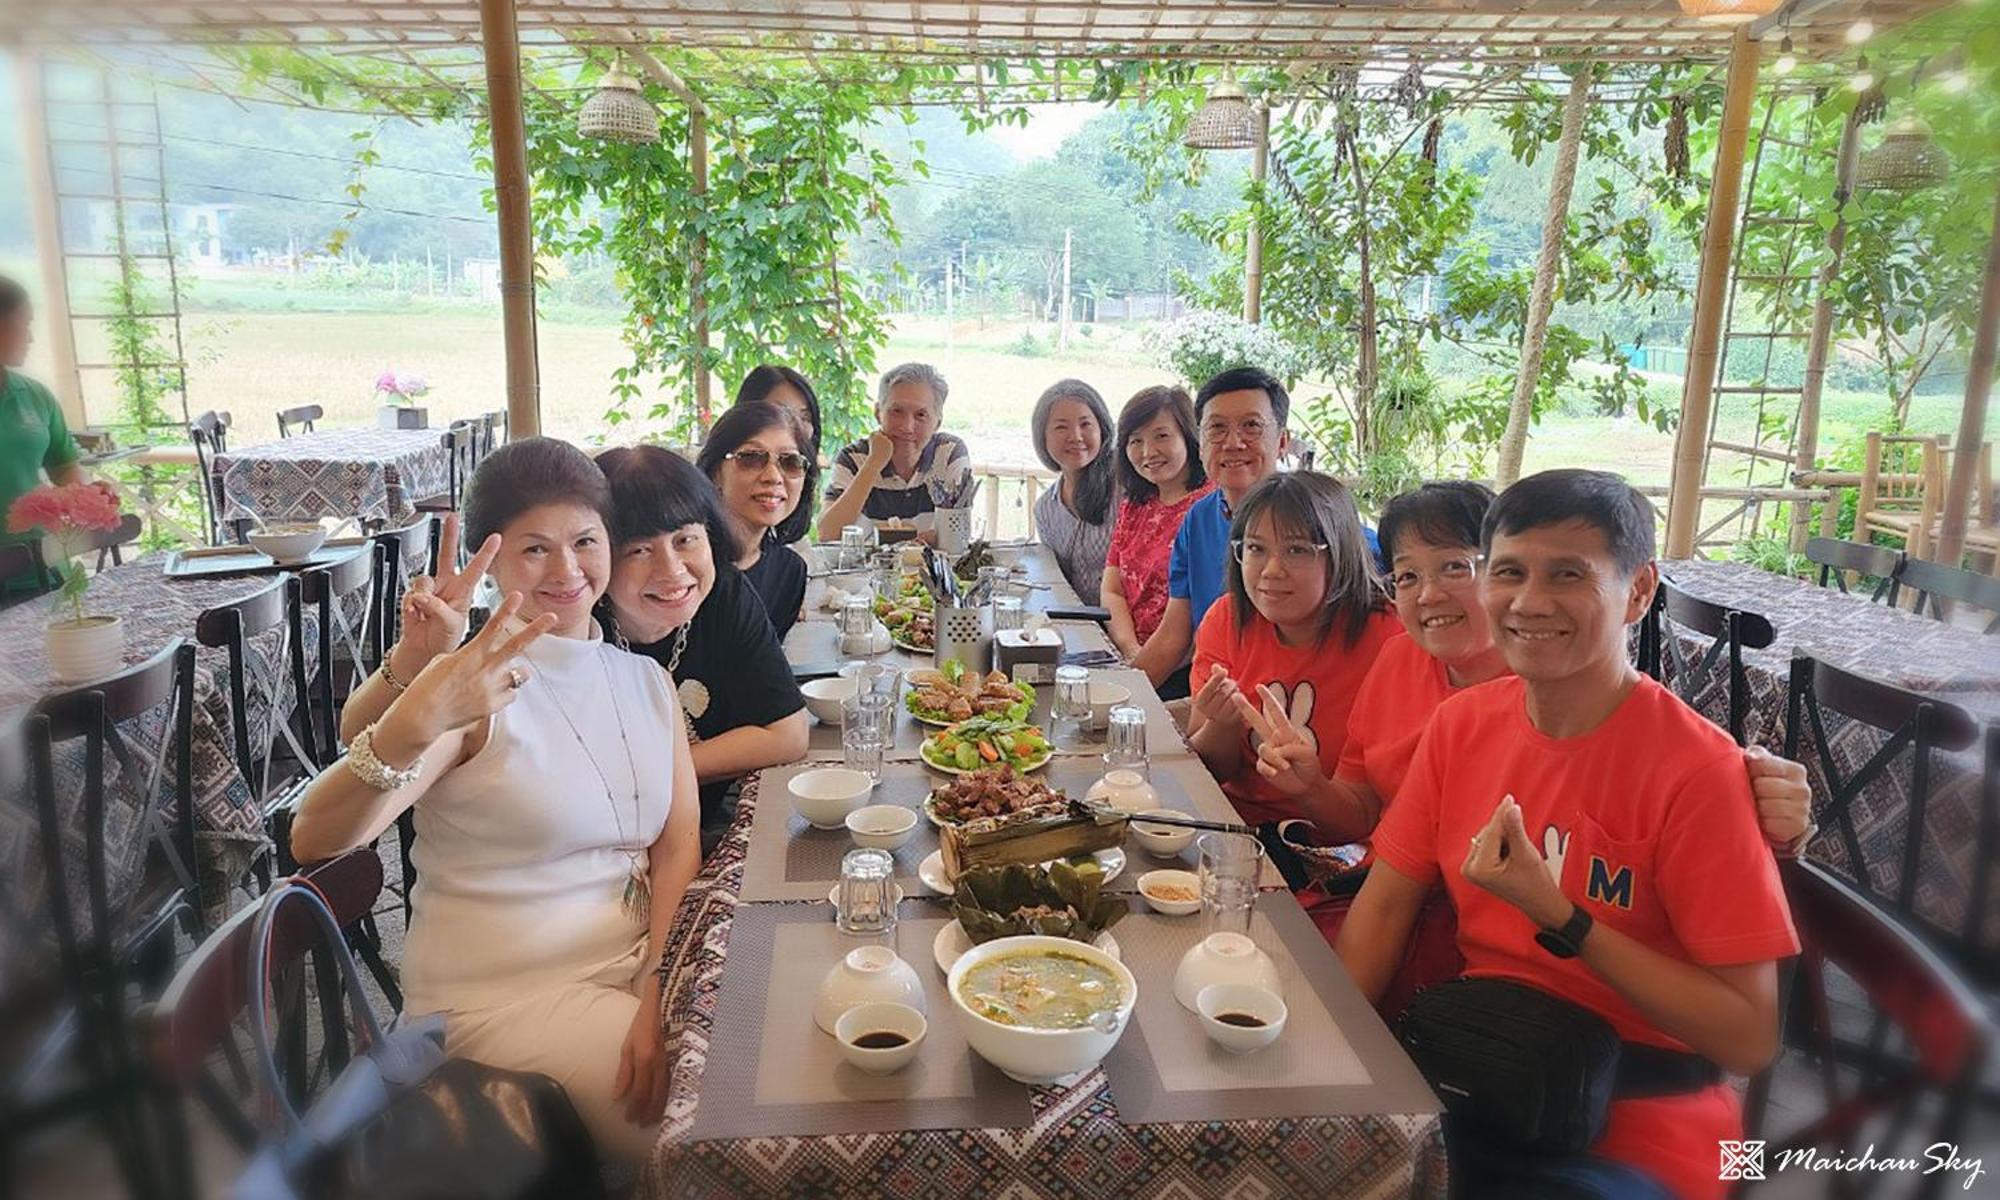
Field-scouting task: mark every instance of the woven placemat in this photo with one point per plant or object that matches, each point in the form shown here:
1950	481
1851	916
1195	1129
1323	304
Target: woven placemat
771	1071
1334	1057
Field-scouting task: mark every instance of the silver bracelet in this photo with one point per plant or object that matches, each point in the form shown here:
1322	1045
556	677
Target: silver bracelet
373	771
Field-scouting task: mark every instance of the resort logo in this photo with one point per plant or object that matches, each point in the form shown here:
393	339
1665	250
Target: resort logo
1745	1161
1742	1160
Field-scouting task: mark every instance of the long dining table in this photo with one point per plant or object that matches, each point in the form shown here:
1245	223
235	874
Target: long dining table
1950	663
759	1102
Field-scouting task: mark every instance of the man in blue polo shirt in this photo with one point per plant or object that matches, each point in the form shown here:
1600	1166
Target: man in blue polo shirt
1239	416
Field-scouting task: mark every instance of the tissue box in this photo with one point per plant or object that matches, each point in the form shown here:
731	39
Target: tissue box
1028	657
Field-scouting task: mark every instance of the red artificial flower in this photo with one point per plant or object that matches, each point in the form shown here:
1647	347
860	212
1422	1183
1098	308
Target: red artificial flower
67	509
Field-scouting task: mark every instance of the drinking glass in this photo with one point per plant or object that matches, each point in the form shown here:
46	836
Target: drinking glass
1229	866
1125	740
1007	613
879	678
857	618
1069	713
867	723
853	546
867	892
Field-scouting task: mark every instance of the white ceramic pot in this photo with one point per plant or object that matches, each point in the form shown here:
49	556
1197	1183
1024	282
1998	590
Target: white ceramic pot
1041	1056
868	973
1125	790
86	650
1222	958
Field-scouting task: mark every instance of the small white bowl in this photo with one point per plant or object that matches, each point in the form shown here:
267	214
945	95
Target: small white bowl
1163	840
825	795
823	697
882	826
288	543
880	1017
1245	999
1105	696
1163	906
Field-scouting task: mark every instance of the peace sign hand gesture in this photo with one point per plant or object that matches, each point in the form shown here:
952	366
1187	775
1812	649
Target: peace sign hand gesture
476	680
1285	755
436	610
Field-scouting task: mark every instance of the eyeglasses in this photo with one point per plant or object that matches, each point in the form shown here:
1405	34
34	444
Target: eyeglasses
1217	432
1454	576
1294	554
790	462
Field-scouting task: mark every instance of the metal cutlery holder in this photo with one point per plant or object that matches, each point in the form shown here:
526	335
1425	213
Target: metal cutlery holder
966	634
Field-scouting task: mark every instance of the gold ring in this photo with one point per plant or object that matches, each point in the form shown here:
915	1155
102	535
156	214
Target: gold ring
515	679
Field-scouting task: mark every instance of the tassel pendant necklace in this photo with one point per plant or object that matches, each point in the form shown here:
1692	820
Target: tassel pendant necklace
637	899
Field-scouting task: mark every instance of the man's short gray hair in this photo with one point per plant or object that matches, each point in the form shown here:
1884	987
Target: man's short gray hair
912	372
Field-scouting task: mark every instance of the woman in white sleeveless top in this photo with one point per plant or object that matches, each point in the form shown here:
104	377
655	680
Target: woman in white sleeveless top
555	801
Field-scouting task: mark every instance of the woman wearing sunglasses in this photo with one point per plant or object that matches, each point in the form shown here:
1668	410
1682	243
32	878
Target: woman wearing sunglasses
759	457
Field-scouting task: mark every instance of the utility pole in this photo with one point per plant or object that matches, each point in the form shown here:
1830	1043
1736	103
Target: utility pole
950	309
430	272
1062	338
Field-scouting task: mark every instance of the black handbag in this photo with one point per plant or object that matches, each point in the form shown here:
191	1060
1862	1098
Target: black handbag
401	1121
1514	1065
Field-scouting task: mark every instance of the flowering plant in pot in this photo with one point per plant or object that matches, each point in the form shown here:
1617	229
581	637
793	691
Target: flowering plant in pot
397	391
80	646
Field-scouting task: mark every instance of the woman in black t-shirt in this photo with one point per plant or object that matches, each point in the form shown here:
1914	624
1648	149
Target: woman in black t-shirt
675	598
759	456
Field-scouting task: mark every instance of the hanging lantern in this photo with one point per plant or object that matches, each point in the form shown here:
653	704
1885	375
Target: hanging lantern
1225	121
1728	12
1905	160
618	112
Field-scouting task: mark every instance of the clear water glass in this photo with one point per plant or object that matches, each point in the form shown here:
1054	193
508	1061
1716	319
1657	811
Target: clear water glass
857	618
853	547
993	582
867	892
1007	613
1125	739
879	678
1229	866
1069	712
867	723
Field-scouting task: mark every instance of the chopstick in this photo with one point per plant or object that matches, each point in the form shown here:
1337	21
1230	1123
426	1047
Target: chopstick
1107	816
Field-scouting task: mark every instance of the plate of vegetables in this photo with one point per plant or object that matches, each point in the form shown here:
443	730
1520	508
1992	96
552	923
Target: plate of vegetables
957	693
985	742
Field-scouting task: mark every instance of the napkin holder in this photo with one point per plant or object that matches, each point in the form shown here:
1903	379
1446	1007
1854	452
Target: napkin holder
1028	656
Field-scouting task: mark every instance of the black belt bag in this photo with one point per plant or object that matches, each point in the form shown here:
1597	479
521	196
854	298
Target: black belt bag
1521	1068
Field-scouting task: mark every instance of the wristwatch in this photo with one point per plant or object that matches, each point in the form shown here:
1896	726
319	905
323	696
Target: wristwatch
1567	942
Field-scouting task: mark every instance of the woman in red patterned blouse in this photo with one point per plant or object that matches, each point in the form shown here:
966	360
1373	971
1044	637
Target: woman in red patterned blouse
1160	475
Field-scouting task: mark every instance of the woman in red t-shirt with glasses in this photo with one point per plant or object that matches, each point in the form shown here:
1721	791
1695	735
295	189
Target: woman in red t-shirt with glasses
1159	472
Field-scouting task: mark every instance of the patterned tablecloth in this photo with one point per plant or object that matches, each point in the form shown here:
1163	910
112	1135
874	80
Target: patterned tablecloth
228	824
1076	1145
367	474
1952	663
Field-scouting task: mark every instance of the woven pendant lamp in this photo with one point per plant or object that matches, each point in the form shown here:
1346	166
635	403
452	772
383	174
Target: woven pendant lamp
1225	121
1905	160
1728	12
618	112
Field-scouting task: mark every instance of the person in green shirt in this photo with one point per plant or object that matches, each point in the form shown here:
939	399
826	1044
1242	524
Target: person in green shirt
34	437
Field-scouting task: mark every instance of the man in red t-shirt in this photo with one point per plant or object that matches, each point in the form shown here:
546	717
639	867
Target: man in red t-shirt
1581	800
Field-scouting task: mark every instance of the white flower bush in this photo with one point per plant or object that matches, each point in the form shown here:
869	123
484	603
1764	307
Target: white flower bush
1203	342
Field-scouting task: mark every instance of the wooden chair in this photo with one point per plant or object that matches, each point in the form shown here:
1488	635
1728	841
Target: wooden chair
257	631
1732	631
1934	581
203	1014
1908	722
1902	489
1939	1016
107	543
210	435
462	443
134	733
303	417
23	560
1836	557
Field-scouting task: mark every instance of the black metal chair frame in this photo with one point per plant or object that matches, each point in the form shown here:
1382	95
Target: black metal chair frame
229	627
210	434
107	544
98	965
1733	630
1836	556
464	445
1912	722
25	558
303	416
323	589
1931	580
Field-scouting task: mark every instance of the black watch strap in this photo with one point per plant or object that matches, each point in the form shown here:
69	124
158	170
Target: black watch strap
1567	942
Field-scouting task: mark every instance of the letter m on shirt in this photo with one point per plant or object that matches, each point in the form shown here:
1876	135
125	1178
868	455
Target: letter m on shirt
1608	888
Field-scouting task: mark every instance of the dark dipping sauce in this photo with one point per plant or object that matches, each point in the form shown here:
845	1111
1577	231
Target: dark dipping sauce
889	1040
1244	1019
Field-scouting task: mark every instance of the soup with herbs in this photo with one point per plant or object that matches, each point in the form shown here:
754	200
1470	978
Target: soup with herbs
1041	989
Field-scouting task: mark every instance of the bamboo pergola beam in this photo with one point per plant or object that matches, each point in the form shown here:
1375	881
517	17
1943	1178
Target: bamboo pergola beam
511	200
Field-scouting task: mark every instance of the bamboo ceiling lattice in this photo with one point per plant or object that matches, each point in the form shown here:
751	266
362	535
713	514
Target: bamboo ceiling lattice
1263	31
